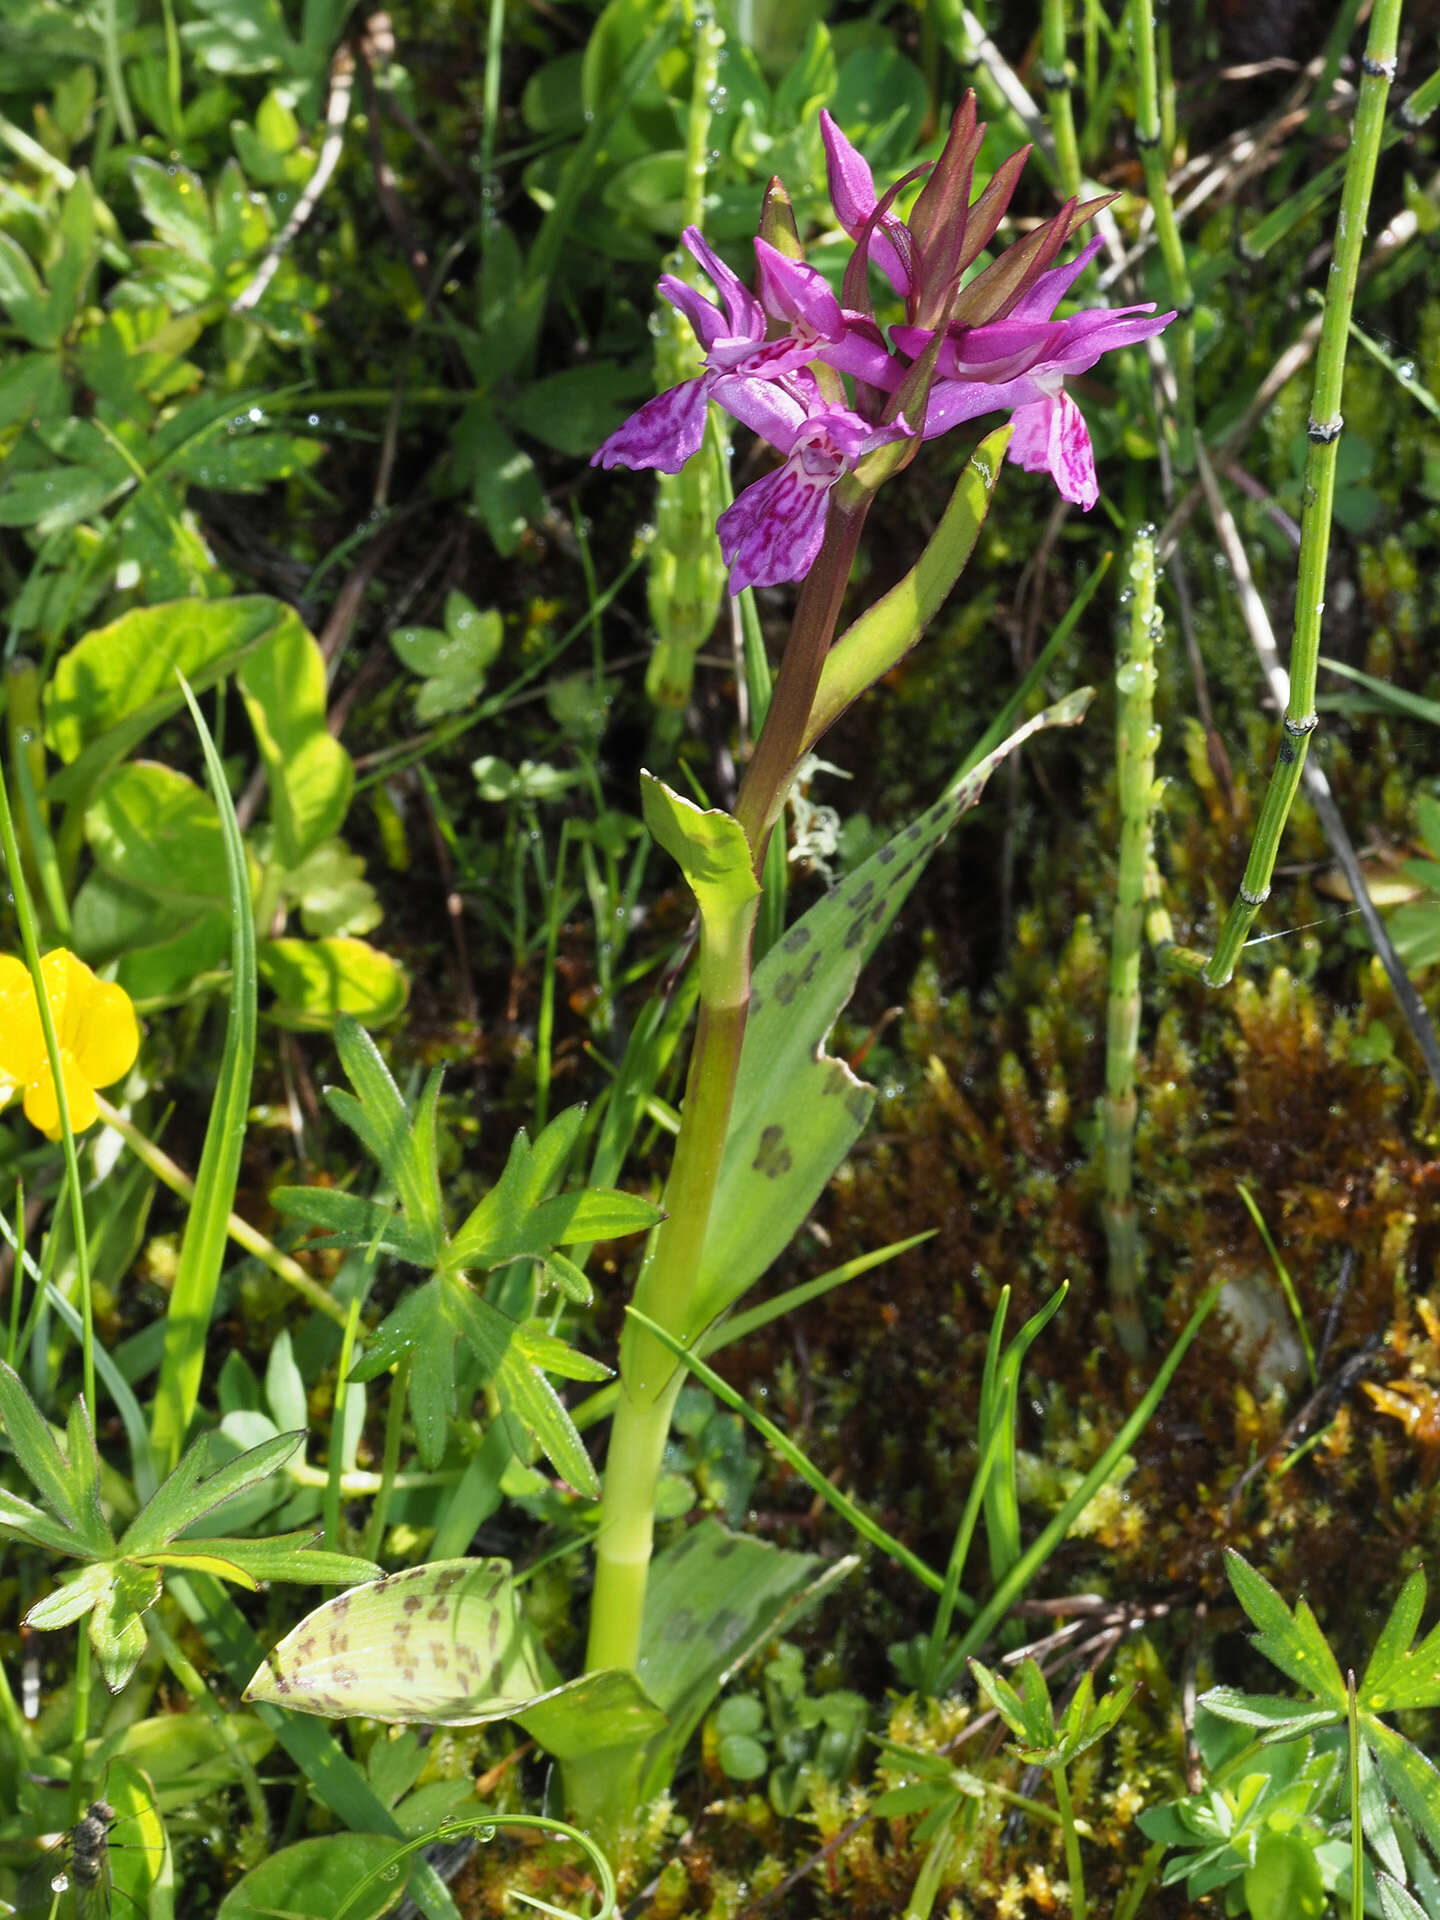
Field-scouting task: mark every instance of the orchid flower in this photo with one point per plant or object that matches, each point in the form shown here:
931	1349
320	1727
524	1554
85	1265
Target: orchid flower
774	529
973	342
667	430
1019	364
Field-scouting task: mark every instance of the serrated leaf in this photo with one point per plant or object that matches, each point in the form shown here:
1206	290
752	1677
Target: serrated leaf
35	1524
1409	1775
1295	1643
349	1221
71	1600
1397	1676
185	1497
319	982
1266	1710
288	1556
403	1149
45	1465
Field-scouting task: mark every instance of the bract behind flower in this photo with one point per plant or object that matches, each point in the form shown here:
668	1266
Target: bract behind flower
94	1023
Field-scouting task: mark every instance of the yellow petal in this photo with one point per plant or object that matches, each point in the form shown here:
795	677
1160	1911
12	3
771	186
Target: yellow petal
68	986
42	1109
106	1034
22	1040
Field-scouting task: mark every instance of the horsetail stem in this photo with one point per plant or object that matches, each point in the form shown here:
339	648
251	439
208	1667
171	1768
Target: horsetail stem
1136	912
1325	426
686	571
1150	122
1056	74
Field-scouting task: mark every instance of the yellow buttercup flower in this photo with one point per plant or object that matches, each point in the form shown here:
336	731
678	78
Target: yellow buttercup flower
94	1023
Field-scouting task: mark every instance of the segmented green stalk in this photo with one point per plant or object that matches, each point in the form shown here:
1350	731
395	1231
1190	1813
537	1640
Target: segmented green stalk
1326	423
1155	158
1056	75
687	574
1136	887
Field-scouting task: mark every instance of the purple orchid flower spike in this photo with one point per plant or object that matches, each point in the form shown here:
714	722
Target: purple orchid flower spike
667	430
1019	365
774	529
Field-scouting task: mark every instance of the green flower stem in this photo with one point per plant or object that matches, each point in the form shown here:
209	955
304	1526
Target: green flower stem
30	940
1056	75
782	742
665	1292
1073	1865
1155	158
1324	433
1135	742
241	1232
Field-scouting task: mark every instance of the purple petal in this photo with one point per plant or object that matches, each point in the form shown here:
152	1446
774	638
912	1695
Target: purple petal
704	316
1040	301
792	291
954	401
1085	336
852	185
852	194
664	433
747	317
1051	437
765	406
861	350
774	530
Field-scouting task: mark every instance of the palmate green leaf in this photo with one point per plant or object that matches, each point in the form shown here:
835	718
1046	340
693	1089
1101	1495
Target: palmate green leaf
514	1221
401	1146
281	1556
185	1497
443	1643
68	1489
117	1624
429	1321
1396	1903
1282	1718
350	1221
1294	1643
1397	1676
34	1524
71	1600
1407	1773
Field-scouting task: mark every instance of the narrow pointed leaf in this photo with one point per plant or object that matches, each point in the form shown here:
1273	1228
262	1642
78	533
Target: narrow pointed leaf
36	1525
1294	1643
185	1498
39	1456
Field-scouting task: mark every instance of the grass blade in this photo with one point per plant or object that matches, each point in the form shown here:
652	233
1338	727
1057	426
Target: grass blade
193	1298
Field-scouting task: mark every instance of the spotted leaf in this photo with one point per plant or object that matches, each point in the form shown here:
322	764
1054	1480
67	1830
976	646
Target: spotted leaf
442	1643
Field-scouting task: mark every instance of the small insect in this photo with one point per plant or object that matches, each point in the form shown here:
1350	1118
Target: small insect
78	1864
108	1862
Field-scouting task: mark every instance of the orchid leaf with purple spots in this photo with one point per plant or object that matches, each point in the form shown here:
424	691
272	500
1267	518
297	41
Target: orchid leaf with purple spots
443	1643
